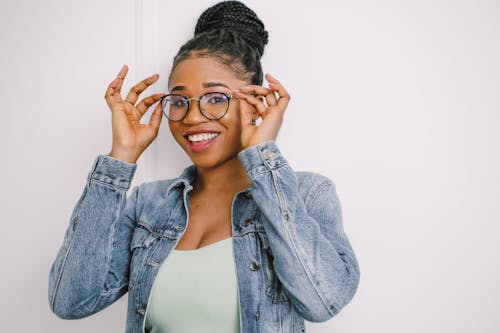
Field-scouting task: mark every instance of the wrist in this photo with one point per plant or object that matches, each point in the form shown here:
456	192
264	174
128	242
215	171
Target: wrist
261	158
124	155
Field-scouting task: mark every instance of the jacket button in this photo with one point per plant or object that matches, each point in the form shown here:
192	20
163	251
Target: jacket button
254	265
269	155
249	222
153	263
257	315
141	311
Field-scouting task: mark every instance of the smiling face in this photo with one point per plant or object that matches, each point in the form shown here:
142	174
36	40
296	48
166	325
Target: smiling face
209	143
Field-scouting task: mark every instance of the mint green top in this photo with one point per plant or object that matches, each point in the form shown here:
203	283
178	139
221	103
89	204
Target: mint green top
196	291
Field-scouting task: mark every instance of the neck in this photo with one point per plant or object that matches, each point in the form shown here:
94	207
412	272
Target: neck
228	178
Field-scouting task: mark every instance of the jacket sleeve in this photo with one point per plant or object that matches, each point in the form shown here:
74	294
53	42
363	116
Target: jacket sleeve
91	268
313	257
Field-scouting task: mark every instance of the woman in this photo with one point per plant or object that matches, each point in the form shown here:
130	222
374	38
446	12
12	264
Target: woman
252	246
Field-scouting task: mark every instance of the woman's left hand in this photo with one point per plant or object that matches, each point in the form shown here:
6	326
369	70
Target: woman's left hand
252	106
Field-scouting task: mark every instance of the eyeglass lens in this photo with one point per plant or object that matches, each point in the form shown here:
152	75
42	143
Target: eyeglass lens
213	105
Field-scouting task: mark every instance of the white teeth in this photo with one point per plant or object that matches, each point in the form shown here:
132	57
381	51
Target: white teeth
202	137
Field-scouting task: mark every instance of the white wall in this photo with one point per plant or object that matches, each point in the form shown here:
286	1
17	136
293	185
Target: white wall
396	101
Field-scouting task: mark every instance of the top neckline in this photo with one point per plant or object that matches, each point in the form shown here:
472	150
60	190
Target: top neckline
203	247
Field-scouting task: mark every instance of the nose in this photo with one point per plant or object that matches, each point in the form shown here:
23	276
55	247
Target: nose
194	115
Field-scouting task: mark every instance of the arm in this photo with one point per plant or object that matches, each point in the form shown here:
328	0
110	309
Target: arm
313	258
91	269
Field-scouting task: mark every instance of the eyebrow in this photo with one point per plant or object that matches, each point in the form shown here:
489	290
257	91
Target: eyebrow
204	85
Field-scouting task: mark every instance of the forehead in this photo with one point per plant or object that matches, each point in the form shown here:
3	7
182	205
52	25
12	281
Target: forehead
193	72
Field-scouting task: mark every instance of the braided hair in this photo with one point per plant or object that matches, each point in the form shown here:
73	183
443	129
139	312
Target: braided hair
233	34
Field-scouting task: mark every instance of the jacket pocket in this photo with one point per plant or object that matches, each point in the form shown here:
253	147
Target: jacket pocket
143	237
142	240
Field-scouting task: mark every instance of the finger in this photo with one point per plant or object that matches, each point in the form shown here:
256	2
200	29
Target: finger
112	94
271	78
255	89
136	90
123	72
144	105
262	91
246	114
284	97
156	117
256	102
271	98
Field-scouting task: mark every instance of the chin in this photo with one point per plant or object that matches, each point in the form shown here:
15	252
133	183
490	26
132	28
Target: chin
219	153
204	163
210	160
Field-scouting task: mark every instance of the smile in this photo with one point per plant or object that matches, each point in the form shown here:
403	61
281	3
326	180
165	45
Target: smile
201	137
198	142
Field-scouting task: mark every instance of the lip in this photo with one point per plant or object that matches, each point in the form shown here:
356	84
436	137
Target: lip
198	131
200	145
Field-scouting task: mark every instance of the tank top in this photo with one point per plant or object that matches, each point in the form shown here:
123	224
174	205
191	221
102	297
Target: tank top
195	291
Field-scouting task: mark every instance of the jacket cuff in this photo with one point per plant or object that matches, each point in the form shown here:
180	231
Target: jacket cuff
261	158
112	171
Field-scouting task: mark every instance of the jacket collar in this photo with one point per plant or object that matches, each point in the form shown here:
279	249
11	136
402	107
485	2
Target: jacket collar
186	178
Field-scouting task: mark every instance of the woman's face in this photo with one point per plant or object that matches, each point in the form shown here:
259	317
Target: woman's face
193	78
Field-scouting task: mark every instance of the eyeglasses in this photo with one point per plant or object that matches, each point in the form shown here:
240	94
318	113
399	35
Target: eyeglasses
213	105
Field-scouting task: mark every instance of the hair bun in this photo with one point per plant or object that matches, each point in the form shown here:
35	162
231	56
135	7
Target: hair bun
236	16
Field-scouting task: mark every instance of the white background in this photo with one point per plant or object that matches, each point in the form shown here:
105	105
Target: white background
396	101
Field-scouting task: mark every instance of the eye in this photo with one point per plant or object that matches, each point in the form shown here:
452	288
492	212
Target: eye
177	101
216	99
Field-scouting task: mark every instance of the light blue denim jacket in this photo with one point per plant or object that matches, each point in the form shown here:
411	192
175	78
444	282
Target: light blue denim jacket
292	258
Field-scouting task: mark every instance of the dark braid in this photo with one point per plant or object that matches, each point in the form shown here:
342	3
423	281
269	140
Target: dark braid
235	16
232	33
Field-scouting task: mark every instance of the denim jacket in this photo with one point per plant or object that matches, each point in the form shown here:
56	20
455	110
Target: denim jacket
293	260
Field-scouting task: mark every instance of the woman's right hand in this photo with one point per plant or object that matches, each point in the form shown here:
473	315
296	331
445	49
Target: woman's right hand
130	137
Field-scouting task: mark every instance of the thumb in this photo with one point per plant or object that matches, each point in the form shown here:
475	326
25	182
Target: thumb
156	117
246	114
247	128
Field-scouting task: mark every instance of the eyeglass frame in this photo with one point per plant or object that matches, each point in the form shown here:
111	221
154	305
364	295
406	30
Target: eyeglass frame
229	96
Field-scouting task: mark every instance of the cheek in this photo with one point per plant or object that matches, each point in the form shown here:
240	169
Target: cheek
233	120
175	131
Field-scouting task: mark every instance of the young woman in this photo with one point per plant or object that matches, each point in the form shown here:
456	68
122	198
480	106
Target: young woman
239	242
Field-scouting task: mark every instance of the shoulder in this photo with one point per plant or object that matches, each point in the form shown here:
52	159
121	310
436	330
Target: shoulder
155	197
311	184
156	190
310	179
164	187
